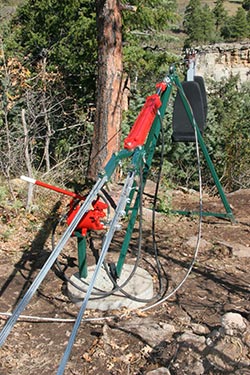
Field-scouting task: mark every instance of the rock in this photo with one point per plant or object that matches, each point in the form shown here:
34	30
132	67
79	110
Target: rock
204	245
233	323
150	187
147	214
189	361
213	337
243	371
198	368
199	329
237	249
181	317
170	328
149	330
191	338
241	251
159	371
246	338
227	352
221	60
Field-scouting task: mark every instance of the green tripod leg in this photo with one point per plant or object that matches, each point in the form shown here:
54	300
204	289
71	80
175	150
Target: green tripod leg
229	213
143	157
82	255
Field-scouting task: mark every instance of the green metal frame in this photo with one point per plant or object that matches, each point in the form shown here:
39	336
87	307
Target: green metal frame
82	254
141	159
229	213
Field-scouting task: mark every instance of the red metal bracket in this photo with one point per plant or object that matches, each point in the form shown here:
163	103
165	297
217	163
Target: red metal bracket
91	220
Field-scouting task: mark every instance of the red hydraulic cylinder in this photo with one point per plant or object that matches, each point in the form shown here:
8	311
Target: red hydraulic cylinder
143	123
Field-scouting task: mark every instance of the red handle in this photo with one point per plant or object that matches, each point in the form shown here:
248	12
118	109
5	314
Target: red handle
51	187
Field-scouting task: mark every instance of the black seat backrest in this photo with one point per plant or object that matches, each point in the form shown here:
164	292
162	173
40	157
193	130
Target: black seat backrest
200	81
195	92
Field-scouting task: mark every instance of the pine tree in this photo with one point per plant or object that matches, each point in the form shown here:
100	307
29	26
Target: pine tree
146	38
248	22
229	134
65	31
239	25
106	139
220	14
63	34
208	25
191	22
198	23
246	5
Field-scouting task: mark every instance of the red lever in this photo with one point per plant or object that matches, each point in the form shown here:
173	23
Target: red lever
143	123
52	187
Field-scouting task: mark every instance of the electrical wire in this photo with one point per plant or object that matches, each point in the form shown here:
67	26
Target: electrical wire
38	319
120	288
169	295
176	289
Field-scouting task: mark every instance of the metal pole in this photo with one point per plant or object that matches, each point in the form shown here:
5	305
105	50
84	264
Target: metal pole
50	261
119	212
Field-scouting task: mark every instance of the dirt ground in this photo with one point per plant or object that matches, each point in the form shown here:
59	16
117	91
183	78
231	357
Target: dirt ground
182	335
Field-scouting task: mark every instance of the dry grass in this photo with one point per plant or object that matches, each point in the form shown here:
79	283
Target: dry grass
230	6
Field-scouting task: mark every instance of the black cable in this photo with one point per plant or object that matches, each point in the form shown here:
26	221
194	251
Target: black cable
120	287
159	267
116	287
158	264
102	293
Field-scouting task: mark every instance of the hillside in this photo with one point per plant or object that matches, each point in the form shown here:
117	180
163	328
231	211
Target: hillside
7	7
203	329
231	6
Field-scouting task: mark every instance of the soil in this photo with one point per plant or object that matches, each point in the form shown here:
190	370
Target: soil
182	335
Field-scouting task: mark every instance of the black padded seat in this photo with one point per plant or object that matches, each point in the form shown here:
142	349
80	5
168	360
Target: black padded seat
183	131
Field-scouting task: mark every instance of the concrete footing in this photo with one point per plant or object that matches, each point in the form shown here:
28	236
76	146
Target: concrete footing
140	286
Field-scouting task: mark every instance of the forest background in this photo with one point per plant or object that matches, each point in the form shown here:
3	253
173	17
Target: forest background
48	83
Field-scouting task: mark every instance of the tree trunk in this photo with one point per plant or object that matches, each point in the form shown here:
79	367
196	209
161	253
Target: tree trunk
106	139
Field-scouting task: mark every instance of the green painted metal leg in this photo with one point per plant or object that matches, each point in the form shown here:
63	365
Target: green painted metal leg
127	237
227	207
215	177
144	162
82	256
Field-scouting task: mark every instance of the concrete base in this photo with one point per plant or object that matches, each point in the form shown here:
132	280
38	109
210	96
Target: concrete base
140	286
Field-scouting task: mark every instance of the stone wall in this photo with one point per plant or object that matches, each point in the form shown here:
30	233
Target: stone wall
221	60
